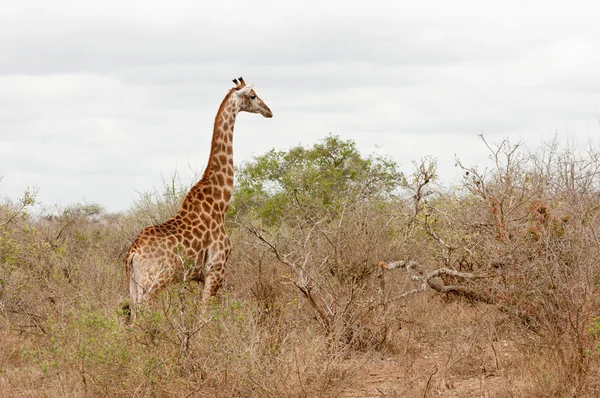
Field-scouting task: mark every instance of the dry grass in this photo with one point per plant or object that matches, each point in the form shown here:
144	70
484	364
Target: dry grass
307	312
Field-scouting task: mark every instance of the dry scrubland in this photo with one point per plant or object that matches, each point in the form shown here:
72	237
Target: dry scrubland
307	309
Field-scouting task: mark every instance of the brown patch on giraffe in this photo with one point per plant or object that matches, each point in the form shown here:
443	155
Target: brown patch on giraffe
217	193
197	208
205	218
191	251
205	207
229	181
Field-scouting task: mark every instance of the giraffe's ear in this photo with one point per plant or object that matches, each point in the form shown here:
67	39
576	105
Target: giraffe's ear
245	90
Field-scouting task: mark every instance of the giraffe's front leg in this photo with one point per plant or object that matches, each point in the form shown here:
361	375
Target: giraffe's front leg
213	279
215	269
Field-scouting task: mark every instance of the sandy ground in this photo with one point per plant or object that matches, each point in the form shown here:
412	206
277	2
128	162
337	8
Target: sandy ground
436	375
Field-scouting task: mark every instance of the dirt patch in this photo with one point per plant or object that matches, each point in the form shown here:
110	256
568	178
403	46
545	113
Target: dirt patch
438	374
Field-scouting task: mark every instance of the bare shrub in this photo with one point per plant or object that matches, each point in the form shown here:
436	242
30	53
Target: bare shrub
530	222
488	288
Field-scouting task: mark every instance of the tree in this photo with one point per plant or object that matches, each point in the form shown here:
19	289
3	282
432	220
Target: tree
320	212
317	180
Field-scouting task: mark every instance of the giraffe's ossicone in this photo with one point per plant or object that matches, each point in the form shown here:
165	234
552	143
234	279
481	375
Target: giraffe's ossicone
193	245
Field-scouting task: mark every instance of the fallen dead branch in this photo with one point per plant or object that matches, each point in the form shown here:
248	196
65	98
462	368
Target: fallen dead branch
433	279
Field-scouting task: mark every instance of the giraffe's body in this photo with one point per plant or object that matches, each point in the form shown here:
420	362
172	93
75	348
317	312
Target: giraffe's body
194	245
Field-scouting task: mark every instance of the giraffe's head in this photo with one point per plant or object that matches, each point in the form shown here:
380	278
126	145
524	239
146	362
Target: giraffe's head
248	100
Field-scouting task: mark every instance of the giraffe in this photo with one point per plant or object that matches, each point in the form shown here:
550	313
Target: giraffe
194	244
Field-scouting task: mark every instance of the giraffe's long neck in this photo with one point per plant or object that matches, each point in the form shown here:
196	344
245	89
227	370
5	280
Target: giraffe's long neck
220	160
216	184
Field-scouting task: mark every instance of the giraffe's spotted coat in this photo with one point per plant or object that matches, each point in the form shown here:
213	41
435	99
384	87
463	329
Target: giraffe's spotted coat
197	232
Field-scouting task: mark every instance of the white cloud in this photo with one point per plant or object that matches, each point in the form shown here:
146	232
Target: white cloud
98	99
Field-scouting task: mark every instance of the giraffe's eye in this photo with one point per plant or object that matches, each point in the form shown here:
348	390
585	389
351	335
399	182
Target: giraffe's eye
253	97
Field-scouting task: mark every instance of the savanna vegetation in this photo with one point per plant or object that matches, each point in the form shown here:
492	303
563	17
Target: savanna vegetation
349	278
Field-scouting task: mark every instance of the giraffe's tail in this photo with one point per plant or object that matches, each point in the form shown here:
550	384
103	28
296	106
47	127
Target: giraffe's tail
129	277
128	264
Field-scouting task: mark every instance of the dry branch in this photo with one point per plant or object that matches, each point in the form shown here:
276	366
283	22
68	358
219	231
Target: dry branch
432	279
305	283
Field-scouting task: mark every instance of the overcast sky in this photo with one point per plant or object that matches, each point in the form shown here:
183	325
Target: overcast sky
100	100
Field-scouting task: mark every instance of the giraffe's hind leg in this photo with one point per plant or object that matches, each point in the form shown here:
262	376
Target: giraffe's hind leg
135	290
141	293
